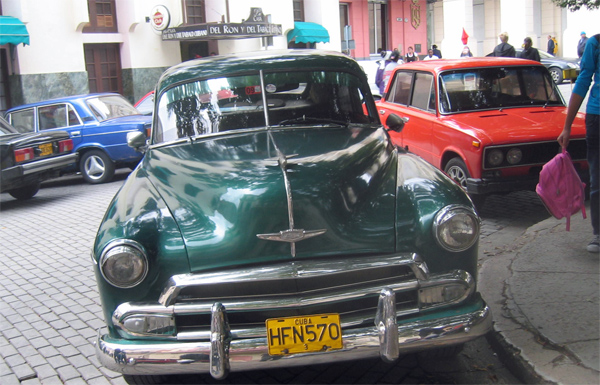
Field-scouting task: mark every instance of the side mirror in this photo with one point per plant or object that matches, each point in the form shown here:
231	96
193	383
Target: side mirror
395	123
137	141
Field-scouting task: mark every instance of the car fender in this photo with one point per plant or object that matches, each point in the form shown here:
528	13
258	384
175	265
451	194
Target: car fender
417	205
118	152
138	213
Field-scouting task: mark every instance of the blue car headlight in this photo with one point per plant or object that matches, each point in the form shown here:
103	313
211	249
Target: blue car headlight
123	263
456	227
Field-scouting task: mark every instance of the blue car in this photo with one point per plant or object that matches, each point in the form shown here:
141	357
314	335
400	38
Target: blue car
98	125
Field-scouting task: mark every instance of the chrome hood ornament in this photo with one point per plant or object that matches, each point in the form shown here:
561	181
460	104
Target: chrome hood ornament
290	235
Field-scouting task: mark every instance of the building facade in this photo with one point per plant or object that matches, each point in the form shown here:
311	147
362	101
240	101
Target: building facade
82	46
484	20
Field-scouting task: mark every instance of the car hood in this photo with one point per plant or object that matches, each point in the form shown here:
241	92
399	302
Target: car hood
228	194
514	125
127	120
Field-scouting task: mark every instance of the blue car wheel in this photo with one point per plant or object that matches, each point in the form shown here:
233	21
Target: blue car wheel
96	167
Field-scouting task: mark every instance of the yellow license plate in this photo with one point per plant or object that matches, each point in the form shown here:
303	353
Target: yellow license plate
304	334
570	73
46	149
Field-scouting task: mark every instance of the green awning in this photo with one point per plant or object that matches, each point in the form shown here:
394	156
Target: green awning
305	32
13	31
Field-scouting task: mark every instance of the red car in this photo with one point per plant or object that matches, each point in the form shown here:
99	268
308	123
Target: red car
145	104
489	123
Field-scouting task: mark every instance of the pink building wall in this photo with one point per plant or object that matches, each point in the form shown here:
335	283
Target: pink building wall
400	31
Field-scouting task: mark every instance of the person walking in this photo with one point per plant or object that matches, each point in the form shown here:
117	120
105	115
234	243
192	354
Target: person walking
394	62
436	51
590	68
528	51
550	48
581	44
555	45
504	49
385	59
411	55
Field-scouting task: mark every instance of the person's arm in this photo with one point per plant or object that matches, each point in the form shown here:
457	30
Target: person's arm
574	105
588	66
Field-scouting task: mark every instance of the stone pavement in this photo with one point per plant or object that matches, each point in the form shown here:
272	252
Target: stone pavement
543	288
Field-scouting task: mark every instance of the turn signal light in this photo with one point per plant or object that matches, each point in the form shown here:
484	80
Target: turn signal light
24	154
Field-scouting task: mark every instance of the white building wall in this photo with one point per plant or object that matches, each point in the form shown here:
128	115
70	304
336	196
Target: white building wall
281	12
326	13
54	28
142	47
519	18
437	26
581	20
492	26
513	20
461	14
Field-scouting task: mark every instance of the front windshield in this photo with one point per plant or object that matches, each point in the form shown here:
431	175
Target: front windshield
496	87
110	107
229	103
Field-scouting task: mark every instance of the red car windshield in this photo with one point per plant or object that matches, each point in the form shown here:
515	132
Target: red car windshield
496	87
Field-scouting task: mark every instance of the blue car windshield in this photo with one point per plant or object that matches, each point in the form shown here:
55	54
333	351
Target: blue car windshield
215	105
110	107
496	87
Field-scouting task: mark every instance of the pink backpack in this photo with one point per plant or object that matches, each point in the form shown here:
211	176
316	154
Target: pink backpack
561	189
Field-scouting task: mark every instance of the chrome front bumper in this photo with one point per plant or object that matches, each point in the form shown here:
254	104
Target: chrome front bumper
222	354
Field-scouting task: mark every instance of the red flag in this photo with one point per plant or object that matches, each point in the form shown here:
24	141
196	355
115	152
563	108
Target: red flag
465	37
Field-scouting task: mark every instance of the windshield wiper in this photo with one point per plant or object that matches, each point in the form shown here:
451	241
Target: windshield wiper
304	119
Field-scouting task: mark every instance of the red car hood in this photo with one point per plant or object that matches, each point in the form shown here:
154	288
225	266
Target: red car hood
512	125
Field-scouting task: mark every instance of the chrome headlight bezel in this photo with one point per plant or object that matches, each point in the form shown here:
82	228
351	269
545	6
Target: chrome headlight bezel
456	228
123	251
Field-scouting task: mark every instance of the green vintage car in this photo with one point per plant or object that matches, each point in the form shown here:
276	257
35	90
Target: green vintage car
272	223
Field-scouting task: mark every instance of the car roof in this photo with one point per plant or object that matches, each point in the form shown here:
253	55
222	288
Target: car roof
250	62
440	65
63	99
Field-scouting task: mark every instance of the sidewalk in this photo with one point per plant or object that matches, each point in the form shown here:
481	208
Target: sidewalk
543	288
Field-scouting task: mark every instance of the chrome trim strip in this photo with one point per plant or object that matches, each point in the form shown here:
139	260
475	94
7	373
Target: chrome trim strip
251	354
45	164
300	269
290	235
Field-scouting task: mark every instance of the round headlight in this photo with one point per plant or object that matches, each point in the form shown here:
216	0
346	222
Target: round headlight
123	264
495	158
456	228
514	156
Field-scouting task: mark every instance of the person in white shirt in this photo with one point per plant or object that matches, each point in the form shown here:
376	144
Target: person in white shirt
430	55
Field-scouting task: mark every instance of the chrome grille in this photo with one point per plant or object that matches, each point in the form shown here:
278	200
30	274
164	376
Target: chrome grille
350	287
